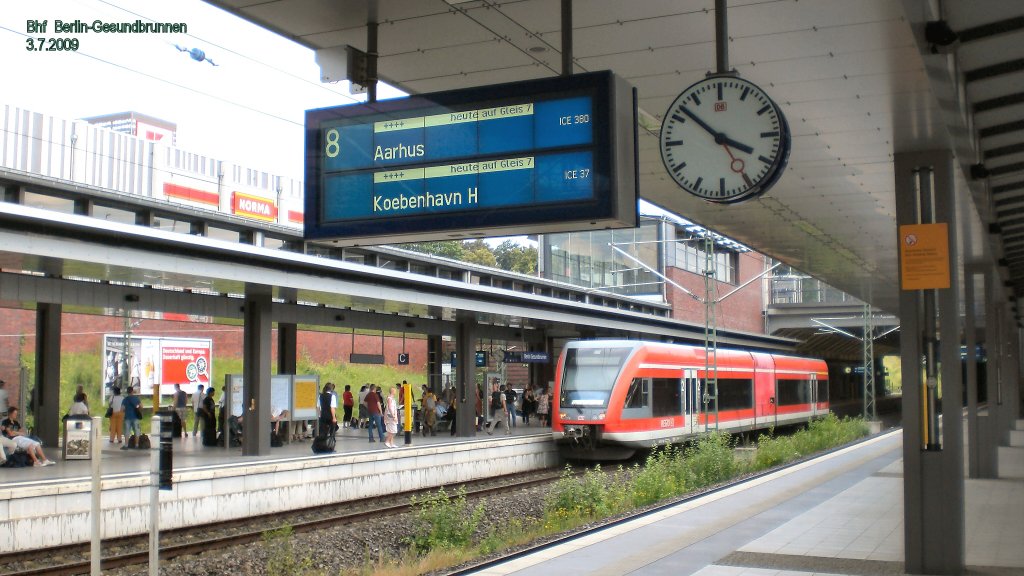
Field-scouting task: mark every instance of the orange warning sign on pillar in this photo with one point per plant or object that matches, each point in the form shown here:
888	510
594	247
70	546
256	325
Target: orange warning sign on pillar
924	256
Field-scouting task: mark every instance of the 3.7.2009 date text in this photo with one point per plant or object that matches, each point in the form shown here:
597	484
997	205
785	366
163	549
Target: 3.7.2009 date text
51	44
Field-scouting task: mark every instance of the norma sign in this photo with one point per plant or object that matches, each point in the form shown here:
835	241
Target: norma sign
547	155
253	207
924	256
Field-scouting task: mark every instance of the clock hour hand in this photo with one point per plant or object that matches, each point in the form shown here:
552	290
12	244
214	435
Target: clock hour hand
737	145
720	137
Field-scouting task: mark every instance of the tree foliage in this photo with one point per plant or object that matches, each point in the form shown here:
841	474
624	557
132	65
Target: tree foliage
507	256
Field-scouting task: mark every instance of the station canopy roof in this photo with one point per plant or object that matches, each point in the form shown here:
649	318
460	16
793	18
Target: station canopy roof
857	81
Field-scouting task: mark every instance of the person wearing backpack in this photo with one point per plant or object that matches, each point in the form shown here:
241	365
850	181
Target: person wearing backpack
132	407
510	407
497	407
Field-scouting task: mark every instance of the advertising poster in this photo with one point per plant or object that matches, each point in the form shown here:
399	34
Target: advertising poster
234	386
155	361
184	362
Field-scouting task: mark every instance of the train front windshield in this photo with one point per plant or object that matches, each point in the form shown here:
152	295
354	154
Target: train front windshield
589	374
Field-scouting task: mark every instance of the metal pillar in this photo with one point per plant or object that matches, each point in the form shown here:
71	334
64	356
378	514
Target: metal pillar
988	446
933	485
971	380
256	371
47	386
566	37
287	348
868	344
710	332
465	387
435	346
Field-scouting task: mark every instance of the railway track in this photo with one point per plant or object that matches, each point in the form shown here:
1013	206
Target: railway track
133	550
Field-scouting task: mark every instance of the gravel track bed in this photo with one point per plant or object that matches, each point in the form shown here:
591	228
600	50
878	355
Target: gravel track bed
342	549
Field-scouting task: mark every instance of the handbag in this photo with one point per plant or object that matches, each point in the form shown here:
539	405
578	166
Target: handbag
138	412
110	411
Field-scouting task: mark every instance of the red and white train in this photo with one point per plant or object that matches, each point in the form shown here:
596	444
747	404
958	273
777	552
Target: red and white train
613	397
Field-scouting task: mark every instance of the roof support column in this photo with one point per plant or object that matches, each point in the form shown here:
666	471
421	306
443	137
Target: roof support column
933	481
256	370
435	358
465	389
287	338
988	423
47	386
971	271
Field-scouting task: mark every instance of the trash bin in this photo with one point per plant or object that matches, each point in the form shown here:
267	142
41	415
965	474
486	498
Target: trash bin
77	431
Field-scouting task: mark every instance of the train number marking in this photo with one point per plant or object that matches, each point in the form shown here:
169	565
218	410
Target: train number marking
666	422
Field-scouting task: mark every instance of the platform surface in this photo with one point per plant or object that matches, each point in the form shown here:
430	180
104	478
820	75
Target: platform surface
841	516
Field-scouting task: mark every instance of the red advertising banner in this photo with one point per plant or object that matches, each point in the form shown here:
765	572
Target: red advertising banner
185	362
253	207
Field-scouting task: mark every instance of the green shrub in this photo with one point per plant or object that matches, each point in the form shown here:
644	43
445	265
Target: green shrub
442	521
663	475
281	558
585	497
711	459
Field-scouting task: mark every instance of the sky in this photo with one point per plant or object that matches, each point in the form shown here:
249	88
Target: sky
248	109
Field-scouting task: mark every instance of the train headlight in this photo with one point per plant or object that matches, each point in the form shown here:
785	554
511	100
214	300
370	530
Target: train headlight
601	416
562	416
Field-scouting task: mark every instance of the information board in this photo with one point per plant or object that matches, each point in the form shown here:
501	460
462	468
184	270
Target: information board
555	154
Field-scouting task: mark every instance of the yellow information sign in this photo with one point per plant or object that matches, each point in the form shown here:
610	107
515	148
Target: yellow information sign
924	256
304	390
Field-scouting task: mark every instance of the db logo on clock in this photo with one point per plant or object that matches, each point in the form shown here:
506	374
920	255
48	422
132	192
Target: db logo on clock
721	106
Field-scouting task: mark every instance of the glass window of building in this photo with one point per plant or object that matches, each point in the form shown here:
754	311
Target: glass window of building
111	214
273	243
222	234
172	225
53	203
588	259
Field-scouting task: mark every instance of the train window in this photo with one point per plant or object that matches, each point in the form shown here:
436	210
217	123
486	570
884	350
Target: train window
792	392
822	391
735	394
589	375
667	398
636	396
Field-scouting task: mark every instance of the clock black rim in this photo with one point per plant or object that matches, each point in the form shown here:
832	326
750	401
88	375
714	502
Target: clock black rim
775	171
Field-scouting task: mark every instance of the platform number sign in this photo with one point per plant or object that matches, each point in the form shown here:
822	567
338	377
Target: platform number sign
403	358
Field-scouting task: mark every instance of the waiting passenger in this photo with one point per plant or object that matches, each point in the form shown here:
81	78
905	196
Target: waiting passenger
7	448
429	411
373	407
210	418
347	402
497	408
10	427
277	415
327	409
81	397
391	418
34	450
116	411
132	416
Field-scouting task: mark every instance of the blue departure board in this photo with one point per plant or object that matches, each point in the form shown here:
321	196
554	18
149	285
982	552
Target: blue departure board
528	157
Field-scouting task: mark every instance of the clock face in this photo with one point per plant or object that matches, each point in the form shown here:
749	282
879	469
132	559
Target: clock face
724	140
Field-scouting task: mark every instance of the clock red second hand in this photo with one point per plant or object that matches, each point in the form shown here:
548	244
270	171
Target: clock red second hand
737	165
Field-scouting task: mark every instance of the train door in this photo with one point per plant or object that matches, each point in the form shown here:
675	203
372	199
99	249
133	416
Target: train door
691	402
812	381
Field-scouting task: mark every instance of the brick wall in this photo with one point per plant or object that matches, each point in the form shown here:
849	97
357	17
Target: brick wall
741	311
84	333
